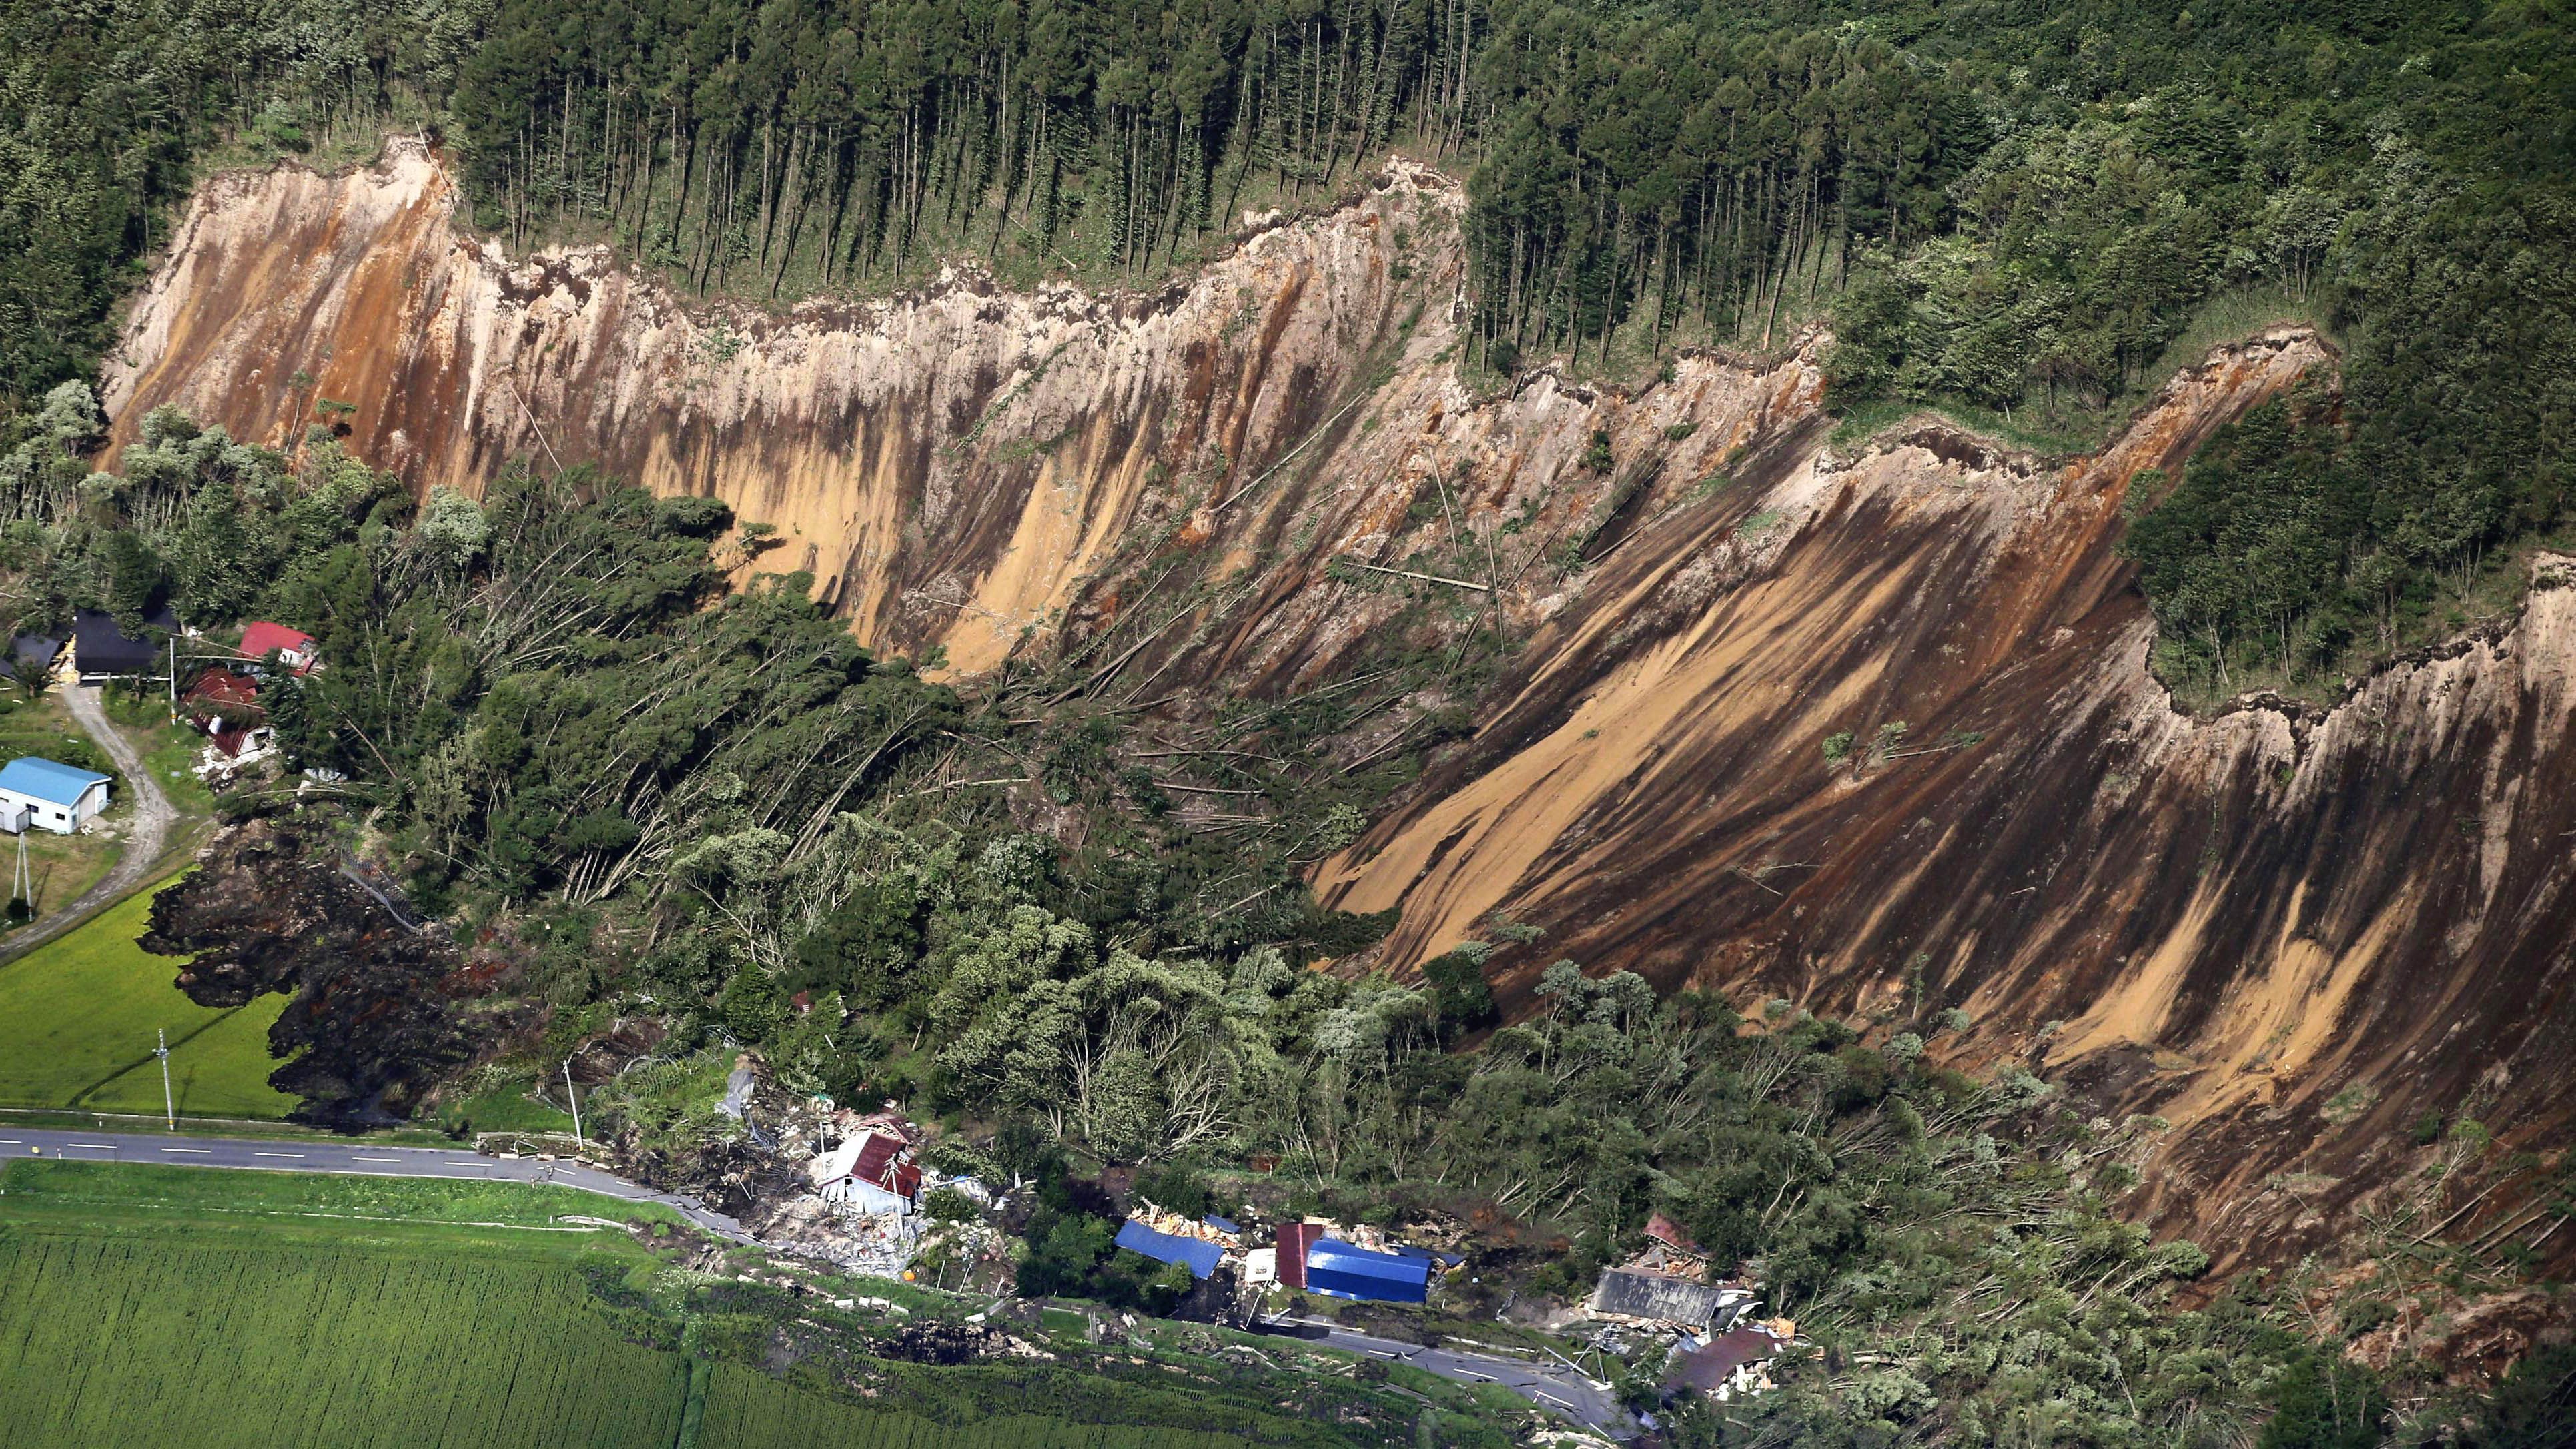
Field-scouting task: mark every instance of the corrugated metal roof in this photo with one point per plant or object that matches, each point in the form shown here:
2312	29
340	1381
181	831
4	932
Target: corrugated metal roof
1345	1271
48	780
1627	1293
1293	1241
1199	1257
105	649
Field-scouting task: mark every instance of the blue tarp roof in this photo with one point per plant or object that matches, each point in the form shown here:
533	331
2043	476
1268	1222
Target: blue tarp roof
47	780
1222	1225
1199	1257
1344	1271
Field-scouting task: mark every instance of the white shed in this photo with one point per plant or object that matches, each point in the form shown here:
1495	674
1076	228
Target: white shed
48	795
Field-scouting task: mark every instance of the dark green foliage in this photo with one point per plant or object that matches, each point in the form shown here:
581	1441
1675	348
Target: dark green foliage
1343	933
105	108
2324	1402
1176	1187
867	948
1070	1254
752	1005
1458	989
2285	548
2535	1406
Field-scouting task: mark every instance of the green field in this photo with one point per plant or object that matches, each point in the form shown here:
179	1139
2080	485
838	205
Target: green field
171	1305
745	1408
77	1017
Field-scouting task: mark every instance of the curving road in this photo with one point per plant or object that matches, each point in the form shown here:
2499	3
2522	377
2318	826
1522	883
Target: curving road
1561	1390
349	1159
149	836
1587	1401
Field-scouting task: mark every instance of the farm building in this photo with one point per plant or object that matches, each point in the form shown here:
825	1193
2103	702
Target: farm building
102	651
48	795
1294	1240
873	1172
293	647
1199	1255
1346	1270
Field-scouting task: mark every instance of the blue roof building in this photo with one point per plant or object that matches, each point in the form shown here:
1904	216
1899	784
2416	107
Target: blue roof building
49	795
1199	1257
1344	1271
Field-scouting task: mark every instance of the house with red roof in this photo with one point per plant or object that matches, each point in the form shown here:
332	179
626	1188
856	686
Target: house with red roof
293	647
874	1171
226	706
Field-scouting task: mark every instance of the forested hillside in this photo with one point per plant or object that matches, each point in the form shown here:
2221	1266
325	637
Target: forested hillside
2013	210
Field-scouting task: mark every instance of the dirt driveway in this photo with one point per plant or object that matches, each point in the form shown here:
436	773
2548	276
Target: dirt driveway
148	837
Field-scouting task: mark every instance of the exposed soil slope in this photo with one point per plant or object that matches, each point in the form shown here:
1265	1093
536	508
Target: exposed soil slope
2232	921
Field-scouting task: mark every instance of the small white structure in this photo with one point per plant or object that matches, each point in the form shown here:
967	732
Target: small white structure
48	795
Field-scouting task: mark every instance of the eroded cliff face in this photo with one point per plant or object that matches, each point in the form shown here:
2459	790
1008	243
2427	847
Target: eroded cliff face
2231	921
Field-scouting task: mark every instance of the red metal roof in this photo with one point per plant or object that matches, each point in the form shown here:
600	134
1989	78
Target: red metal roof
260	638
220	687
886	1161
1714	1364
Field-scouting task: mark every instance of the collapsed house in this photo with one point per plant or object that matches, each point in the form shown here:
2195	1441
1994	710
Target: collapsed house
226	706
1732	1364
1638	1298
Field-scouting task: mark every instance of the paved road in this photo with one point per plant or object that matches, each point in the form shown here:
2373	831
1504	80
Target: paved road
352	1159
1584	1400
1559	1389
146	836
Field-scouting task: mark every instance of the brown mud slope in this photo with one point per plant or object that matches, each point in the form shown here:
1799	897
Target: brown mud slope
2231	921
990	471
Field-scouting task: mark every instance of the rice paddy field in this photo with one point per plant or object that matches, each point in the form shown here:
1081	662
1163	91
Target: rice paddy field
149	1306
77	1017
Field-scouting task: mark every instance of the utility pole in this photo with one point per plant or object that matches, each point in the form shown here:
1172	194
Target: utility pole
169	1107
576	1101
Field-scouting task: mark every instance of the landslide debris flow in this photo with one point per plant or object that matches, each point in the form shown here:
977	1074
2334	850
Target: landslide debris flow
1238	485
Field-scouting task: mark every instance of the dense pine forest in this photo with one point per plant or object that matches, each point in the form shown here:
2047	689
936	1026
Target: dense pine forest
2028	213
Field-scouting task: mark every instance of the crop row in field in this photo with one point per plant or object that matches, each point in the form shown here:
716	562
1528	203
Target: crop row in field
113	1341
750	1410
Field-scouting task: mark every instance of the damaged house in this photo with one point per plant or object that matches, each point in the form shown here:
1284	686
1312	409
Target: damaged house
1735	1363
1641	1298
874	1172
226	706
